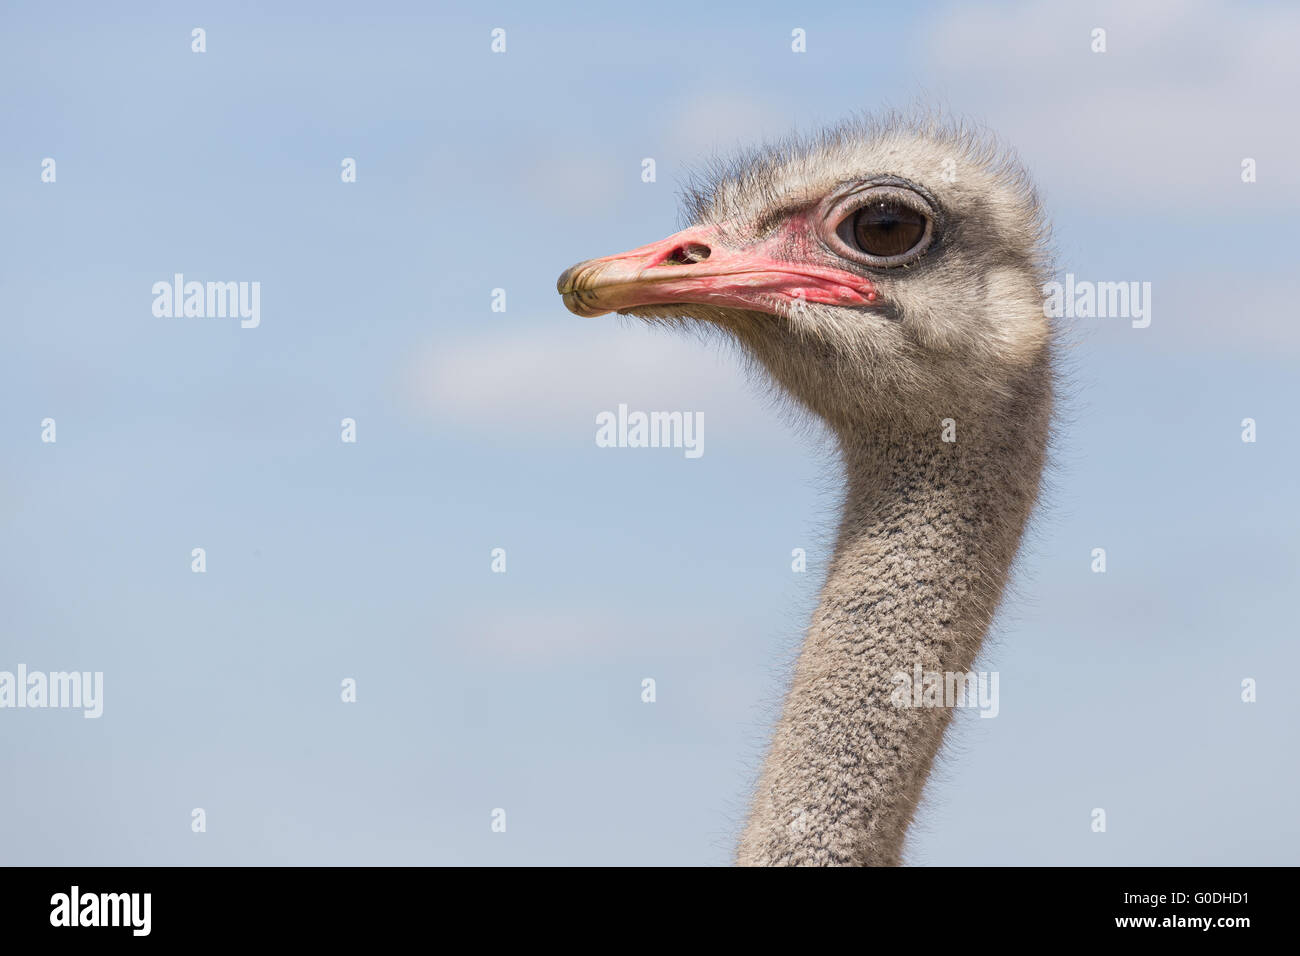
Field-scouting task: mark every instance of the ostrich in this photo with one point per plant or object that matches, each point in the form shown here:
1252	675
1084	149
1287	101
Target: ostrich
885	276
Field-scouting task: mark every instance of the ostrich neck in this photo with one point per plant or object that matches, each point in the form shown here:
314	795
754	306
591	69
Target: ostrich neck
928	534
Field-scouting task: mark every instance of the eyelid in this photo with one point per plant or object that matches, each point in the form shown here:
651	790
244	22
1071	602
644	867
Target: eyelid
850	202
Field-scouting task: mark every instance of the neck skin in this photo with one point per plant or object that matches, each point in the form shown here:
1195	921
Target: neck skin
927	537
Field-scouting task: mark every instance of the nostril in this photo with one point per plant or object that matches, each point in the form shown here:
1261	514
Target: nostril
688	254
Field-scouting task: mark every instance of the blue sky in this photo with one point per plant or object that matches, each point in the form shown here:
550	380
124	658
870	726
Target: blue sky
371	560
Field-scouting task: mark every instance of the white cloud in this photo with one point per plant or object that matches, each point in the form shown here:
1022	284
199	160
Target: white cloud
545	633
1257	316
556	374
595	631
1183	93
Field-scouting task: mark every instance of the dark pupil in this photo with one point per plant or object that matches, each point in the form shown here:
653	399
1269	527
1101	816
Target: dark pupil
887	228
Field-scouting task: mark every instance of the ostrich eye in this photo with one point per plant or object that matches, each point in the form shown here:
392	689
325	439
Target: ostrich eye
888	228
880	225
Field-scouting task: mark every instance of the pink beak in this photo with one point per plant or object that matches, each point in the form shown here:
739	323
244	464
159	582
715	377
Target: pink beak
694	266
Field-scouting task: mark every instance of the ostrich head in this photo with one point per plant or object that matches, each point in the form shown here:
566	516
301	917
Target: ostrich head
884	273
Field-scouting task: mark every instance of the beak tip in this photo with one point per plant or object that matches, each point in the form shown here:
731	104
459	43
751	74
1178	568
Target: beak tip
577	299
562	283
